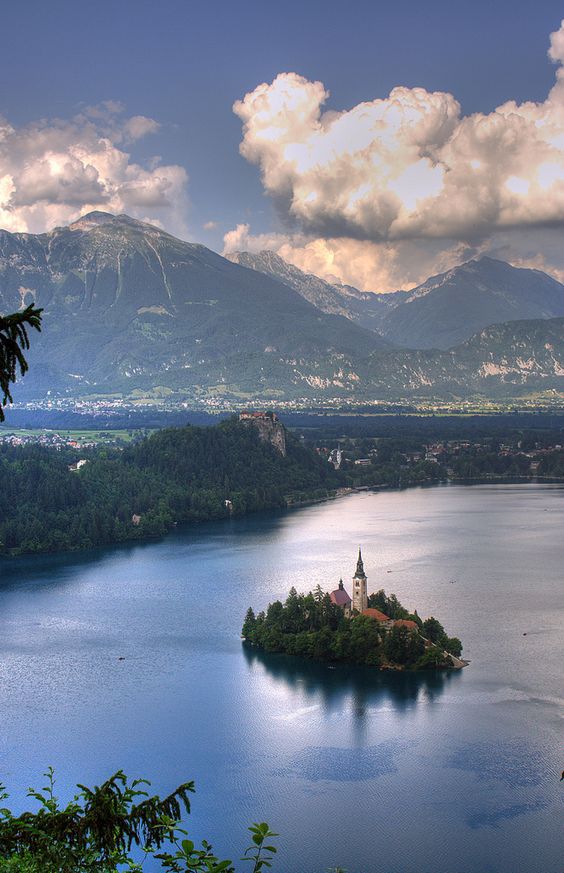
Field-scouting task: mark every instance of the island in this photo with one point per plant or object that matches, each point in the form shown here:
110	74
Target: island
373	630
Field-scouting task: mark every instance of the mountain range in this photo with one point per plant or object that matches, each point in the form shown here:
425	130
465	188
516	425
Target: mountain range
364	308
130	309
444	311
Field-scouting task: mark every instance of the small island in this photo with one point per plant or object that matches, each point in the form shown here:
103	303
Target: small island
372	630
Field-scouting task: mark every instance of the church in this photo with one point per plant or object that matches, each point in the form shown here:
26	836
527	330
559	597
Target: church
358	605
359	601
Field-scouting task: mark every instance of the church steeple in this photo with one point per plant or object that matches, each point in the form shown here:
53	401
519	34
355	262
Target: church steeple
359	566
360	594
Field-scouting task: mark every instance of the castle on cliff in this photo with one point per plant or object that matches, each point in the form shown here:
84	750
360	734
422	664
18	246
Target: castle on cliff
270	428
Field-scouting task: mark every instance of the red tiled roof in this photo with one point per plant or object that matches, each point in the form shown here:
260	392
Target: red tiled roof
375	614
406	622
340	597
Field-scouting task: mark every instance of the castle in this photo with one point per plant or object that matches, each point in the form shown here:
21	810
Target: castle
270	428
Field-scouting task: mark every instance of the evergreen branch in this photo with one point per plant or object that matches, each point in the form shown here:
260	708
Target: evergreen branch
14	341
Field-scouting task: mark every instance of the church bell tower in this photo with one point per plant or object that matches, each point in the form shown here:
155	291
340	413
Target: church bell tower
359	592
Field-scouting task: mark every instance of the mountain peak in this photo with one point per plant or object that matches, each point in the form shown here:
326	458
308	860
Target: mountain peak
97	218
93	219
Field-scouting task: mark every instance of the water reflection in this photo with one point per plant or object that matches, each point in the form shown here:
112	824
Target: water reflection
365	687
44	569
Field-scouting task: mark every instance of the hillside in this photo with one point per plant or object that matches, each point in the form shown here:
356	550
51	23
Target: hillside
443	312
501	360
129	310
177	475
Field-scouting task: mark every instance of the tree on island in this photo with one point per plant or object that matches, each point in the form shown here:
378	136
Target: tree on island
434	631
311	626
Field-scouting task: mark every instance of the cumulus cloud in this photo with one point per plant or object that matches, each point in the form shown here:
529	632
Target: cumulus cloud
52	171
405	176
364	264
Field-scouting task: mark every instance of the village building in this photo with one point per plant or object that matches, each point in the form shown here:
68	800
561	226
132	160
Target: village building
406	622
378	616
74	467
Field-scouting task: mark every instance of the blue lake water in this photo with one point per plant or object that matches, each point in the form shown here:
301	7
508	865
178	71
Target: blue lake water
434	773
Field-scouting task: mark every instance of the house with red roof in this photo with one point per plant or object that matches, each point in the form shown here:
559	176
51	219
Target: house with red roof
377	615
406	622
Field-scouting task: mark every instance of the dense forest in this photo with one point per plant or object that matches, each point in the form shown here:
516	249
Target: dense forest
197	473
176	475
311	626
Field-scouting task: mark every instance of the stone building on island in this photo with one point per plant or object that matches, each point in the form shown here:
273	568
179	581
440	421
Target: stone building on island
359	601
378	615
358	604
359	583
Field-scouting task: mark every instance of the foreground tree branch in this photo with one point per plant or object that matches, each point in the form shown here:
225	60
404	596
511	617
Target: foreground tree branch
14	341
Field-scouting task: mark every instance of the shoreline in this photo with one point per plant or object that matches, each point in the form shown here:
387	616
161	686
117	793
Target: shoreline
425	483
300	504
457	663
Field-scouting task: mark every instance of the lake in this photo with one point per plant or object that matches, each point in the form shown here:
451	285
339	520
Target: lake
452	772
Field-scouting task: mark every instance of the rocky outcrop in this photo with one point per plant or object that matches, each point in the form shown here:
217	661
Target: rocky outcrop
269	428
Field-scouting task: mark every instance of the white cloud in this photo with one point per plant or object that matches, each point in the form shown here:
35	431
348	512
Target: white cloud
368	265
53	171
378	191
556	50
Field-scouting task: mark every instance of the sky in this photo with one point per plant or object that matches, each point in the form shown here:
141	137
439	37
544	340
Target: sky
371	143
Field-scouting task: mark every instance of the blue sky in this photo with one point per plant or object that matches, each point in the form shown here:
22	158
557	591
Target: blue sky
184	64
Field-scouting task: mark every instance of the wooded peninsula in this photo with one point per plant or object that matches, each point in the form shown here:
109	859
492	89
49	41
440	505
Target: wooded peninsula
51	501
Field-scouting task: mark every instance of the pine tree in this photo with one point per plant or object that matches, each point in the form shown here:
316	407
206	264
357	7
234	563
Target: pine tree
14	341
249	623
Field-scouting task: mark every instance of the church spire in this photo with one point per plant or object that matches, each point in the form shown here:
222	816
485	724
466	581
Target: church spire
359	565
360	594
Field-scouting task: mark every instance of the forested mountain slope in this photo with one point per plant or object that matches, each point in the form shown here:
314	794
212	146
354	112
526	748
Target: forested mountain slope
176	475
